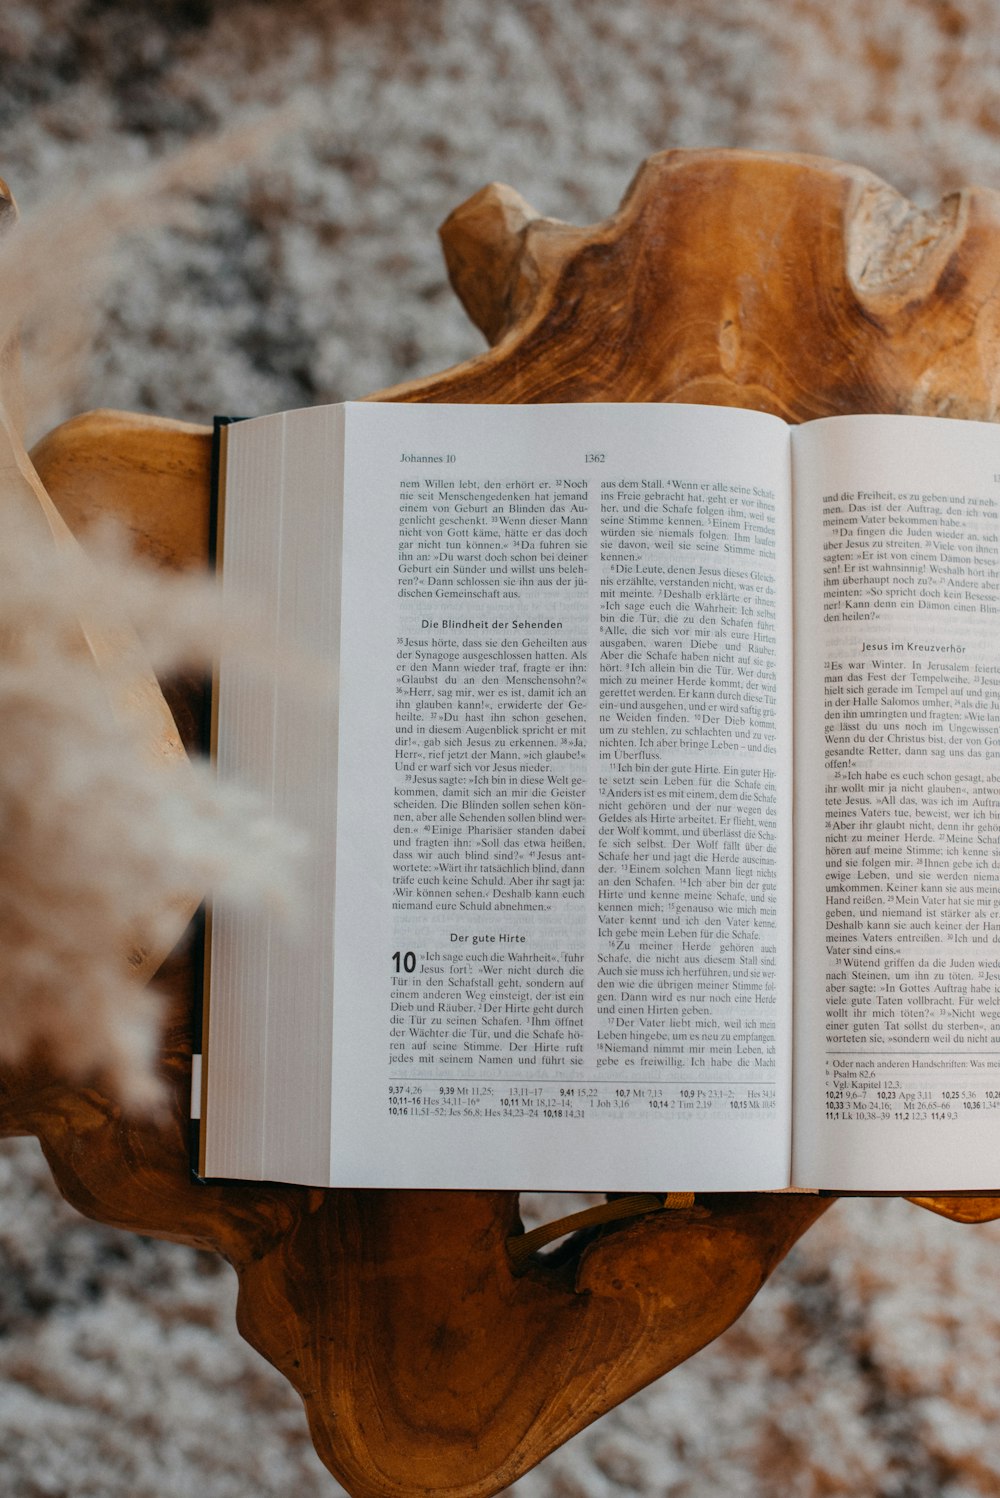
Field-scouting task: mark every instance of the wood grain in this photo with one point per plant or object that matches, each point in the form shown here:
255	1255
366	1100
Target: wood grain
792	284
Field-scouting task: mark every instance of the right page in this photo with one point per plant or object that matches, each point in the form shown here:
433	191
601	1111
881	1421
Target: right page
897	797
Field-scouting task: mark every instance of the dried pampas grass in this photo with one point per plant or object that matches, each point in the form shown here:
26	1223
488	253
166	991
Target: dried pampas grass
108	836
104	845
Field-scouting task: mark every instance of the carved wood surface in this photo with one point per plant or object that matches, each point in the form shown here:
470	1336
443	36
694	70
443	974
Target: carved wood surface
426	1364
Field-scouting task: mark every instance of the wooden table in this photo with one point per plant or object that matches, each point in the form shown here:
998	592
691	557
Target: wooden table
426	1363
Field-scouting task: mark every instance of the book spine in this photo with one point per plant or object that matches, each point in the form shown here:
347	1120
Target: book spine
201	942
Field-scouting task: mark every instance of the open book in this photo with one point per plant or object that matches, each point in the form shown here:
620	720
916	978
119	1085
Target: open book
655	825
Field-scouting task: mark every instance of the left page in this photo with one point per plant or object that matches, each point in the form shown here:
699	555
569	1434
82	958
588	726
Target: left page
562	932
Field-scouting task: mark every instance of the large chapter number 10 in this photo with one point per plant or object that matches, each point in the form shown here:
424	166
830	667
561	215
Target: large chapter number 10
404	962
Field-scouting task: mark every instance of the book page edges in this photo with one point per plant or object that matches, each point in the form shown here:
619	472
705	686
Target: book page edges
268	1075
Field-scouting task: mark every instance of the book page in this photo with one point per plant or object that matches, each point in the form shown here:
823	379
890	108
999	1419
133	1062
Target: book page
897	537
562	938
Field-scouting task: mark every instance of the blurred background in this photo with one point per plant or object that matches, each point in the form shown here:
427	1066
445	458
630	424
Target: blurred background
300	265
